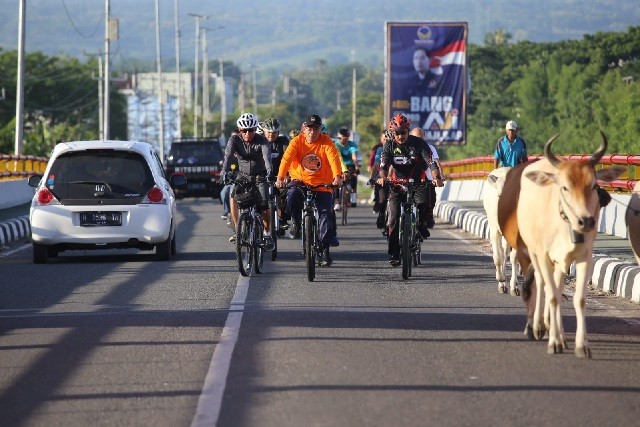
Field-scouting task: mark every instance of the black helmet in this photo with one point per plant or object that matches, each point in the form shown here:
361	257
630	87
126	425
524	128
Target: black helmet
270	125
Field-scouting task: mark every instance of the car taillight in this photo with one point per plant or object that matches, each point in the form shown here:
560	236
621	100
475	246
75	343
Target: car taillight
45	196
214	173
155	195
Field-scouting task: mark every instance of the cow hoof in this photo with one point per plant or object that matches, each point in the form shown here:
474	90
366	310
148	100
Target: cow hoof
515	292
528	331
584	352
555	348
502	288
538	333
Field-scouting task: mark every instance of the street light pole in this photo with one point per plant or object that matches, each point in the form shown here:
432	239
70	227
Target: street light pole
353	93
179	89
160	91
20	79
107	73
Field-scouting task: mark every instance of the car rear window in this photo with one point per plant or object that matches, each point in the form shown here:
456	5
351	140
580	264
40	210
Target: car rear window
100	177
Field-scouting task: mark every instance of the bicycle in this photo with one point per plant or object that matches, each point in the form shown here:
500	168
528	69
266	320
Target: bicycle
275	220
410	242
249	230
311	245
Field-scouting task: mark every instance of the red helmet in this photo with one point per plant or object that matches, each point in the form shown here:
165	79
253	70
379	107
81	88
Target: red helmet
399	122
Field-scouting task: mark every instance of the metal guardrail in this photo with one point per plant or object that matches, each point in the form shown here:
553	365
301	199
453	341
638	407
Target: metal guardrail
479	168
20	166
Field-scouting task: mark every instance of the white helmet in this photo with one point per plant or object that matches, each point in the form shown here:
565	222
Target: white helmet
247	121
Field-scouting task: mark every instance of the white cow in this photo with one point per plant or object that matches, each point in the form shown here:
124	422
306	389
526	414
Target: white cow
557	213
633	221
499	244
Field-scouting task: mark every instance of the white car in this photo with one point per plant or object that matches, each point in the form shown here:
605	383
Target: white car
100	195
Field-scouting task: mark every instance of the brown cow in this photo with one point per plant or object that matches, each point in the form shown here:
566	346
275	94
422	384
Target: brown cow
633	221
550	217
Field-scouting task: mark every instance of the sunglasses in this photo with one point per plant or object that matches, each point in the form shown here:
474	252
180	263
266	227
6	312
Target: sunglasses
400	132
247	130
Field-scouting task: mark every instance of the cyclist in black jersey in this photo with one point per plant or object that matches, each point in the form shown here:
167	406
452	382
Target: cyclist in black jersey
410	158
271	128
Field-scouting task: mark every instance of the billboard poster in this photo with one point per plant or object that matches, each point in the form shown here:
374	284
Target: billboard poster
426	77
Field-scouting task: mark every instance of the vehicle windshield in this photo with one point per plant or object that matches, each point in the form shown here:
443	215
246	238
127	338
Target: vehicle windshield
194	153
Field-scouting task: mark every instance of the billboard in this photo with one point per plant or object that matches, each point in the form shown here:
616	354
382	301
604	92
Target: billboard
427	78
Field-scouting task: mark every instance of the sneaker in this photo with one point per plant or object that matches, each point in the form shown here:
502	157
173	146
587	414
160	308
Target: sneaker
268	244
380	223
424	231
294	230
334	241
326	259
431	222
225	216
394	261
337	207
232	239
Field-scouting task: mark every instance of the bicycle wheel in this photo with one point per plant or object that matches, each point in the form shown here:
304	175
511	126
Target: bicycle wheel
275	226
345	201
405	242
244	251
258	249
309	247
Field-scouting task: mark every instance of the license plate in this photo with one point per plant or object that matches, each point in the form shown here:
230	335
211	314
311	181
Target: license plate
94	219
196	186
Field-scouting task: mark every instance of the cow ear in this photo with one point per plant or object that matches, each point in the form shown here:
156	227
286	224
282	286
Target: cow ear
541	178
609	174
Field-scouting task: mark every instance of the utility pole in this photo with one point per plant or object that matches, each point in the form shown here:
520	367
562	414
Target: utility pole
177	41
223	98
255	92
205	83
353	93
107	73
195	76
100	95
160	91
20	79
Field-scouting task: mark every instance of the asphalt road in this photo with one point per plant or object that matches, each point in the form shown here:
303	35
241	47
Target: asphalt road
117	338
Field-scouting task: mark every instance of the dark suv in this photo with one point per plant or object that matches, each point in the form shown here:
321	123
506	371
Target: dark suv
200	160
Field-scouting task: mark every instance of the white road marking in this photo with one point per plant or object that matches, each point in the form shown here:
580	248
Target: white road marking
210	400
13	251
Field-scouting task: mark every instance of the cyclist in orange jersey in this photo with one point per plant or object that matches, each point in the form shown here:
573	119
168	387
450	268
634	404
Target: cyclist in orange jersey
311	159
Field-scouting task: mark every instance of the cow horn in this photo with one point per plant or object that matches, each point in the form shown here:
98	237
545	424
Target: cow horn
595	157
548	154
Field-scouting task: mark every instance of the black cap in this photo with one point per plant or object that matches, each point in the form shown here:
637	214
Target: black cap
314	120
344	132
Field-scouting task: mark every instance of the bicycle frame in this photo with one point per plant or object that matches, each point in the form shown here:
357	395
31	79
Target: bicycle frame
410	246
249	232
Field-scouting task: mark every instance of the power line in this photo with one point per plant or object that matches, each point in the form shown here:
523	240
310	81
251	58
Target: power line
74	25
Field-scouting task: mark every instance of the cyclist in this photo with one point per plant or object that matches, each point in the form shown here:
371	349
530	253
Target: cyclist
271	129
381	192
349	152
311	159
254	159
410	157
431	181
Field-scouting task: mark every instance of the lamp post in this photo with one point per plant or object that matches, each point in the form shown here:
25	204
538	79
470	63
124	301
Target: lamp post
179	89
160	91
353	93
20	79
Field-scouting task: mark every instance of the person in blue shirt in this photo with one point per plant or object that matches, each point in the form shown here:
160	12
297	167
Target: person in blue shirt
349	152
510	149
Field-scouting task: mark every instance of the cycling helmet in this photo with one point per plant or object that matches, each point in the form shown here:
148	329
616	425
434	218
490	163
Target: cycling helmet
270	125
399	122
247	121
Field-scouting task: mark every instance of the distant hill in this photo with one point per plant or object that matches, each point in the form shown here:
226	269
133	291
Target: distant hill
294	32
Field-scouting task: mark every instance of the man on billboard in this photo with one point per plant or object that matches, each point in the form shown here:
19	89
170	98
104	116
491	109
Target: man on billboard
427	78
